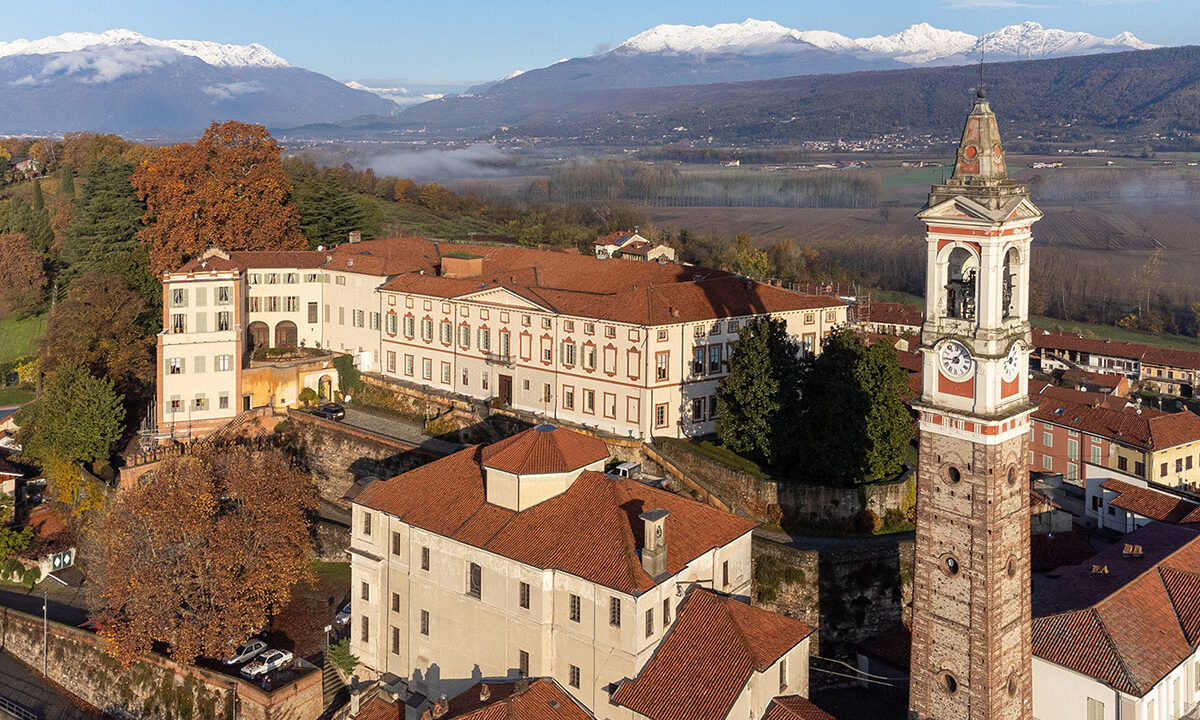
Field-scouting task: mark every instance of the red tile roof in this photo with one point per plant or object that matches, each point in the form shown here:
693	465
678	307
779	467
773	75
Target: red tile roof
1107	380
1158	505
707	659
1147	429
1127	627
544	449
794	707
1172	358
1077	397
541	699
893	647
592	530
895	314
1048	340
377	708
1054	550
614	238
257	259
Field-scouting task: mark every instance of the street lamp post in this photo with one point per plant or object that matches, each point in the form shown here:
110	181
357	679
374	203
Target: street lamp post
46	623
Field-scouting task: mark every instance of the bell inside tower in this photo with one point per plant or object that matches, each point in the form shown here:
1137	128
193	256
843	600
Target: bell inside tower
1009	281
961	273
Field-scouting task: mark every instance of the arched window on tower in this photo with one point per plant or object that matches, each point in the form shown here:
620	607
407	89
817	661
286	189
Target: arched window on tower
961	275
1009	299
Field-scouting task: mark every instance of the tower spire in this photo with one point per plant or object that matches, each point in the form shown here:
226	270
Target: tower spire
980	93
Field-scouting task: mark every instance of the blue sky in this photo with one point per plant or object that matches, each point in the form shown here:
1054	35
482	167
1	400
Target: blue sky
486	39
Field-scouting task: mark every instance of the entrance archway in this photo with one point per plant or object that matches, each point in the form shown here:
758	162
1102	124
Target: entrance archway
260	335
285	334
325	388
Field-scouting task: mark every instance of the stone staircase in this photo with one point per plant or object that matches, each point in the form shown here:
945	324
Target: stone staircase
336	692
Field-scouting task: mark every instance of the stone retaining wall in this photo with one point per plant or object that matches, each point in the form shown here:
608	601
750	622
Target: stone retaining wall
153	688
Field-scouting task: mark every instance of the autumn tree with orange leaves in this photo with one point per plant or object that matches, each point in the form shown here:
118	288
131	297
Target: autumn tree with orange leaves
203	552
228	190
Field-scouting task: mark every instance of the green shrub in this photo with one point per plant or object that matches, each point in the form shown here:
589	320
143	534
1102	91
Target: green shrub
339	655
308	397
349	378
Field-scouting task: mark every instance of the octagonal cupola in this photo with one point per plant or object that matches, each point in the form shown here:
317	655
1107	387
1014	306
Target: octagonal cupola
538	464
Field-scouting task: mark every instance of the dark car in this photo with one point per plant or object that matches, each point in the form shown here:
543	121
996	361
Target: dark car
330	411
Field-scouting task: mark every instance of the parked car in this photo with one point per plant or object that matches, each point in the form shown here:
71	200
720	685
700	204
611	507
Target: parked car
90	625
246	651
266	662
329	411
343	615
625	470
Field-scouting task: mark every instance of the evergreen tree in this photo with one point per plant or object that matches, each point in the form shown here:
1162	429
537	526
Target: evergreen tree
853	424
66	182
32	223
329	211
78	417
39	202
756	400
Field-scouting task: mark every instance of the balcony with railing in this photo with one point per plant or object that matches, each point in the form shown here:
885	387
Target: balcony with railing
505	360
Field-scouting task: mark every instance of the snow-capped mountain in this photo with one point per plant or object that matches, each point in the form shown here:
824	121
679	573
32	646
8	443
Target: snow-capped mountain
399	94
917	45
213	53
122	81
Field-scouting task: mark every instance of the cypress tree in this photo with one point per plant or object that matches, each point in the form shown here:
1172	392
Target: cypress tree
66	182
39	202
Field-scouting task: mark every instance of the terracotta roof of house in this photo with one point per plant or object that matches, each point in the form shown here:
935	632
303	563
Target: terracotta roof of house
1053	550
794	707
1076	397
894	647
1147	429
1161	505
378	708
531	699
1051	340
1175	358
592	530
1085	377
708	657
544	449
895	314
616	238
1131	624
256	259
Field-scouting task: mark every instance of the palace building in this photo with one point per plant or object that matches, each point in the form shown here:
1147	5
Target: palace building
523	559
630	348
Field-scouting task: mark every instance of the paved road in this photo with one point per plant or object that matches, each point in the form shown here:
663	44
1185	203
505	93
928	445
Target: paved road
397	428
67	606
24	685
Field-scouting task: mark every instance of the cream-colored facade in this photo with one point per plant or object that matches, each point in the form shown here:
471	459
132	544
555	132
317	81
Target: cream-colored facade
620	378
495	343
472	637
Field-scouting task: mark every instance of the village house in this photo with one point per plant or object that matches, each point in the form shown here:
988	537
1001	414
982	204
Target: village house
886	318
632	246
1153	445
1167	371
635	349
523	559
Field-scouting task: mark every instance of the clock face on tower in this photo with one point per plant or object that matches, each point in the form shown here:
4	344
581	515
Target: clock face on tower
956	360
1012	363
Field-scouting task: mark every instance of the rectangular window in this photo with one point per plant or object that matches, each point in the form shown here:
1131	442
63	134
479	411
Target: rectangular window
326	313
425	622
364	624
650	622
201	297
1139	469
589	401
366	524
725	573
523	595
408	365
660	415
427	329
391	324
224	321
391	361
698	406
1047	439
397	544
366	591
465	377
1047	462
714	359
357	318
425	559
445	373
589	357
712	407
547	395
1122	463
409	326
698	360
1095	709
661	369
475	581
223	401
666	612
178	297
545	323
1162	470
312	312
523	663
201	402
610	405
224	362
614	612
783	683
576	608
1095	458
568	326
201	322
223	295
291	303
175	366
573	679
272	303
254	278
568	398
272	278
374	321
547	352
341	316
395	640
395	602
446	332
610	332
1072	471
1178	465
1072	449
178	323
568	353
426	368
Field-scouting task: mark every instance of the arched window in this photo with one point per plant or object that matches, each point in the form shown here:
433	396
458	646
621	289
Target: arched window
285	334
475	581
961	288
260	335
1008	297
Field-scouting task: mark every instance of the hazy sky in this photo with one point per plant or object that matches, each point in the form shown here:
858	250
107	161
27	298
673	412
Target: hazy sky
487	39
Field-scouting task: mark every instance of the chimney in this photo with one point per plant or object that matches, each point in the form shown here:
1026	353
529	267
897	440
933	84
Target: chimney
654	542
485	692
355	236
521	686
356	693
441	706
1099	569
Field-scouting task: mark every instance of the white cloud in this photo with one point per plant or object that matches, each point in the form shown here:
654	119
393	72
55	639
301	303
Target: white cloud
228	91
105	64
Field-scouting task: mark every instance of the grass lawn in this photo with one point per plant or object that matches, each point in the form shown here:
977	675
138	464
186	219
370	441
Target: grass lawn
10	396
416	220
18	336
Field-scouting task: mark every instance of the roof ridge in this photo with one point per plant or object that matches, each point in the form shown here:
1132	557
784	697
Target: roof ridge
1112	647
1171	596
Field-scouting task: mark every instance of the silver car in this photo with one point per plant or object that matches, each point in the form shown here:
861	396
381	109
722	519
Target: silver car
266	662
343	615
246	651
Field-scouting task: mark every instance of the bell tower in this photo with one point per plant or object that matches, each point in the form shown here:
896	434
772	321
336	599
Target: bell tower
971	657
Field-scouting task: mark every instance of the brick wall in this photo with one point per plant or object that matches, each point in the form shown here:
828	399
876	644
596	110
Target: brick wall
154	687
